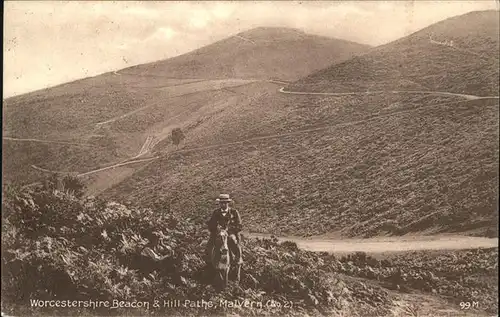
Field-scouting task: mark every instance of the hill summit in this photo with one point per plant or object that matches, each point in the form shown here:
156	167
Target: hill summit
263	52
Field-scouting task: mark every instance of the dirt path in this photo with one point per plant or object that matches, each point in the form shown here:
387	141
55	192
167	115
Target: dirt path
220	84
98	124
319	128
46	141
47	171
116	165
148	144
423	92
389	244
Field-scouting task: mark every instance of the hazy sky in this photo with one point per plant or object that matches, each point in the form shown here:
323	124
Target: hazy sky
47	43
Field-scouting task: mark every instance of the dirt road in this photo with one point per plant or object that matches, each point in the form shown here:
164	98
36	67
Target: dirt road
388	244
195	86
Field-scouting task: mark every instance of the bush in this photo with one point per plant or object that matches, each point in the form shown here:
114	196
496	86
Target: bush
177	136
57	245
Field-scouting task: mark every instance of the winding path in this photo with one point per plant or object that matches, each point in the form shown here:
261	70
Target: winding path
145	147
149	141
322	244
47	171
46	141
224	83
320	128
121	116
117	165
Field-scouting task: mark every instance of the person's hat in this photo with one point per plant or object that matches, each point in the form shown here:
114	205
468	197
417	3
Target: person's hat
224	197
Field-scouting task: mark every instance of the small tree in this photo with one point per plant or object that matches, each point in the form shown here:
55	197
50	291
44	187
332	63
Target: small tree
177	136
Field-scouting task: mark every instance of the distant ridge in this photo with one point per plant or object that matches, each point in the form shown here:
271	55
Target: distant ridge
261	52
459	54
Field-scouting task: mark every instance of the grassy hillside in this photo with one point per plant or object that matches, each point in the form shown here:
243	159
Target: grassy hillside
395	166
112	141
297	164
18	157
116	112
457	55
265	52
58	246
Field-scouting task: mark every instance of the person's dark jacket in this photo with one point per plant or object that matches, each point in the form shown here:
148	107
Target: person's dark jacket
231	221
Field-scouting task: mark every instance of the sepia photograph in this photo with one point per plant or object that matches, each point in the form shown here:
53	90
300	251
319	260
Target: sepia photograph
250	158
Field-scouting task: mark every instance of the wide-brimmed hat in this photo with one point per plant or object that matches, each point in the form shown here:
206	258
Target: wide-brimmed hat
224	198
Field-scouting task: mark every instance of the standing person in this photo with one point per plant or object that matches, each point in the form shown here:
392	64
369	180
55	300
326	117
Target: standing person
225	217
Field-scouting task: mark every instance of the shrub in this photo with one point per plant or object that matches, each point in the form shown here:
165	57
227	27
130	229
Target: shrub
57	245
177	136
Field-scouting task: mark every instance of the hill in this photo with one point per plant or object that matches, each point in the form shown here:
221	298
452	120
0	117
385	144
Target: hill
265	52
457	55
361	166
356	165
114	114
305	165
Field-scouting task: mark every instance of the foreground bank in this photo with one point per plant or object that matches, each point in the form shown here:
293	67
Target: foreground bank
68	255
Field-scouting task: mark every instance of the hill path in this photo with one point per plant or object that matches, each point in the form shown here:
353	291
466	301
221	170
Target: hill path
424	92
147	148
389	244
320	128
47	170
322	244
117	165
46	141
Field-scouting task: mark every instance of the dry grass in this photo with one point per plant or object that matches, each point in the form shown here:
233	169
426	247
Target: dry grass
430	168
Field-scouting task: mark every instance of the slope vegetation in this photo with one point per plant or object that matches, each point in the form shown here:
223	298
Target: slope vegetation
404	166
56	245
457	55
360	165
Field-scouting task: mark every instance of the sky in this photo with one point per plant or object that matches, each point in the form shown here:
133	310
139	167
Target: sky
47	43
